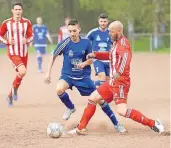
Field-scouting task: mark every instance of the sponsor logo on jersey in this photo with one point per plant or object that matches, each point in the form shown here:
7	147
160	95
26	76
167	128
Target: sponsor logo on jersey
70	53
98	38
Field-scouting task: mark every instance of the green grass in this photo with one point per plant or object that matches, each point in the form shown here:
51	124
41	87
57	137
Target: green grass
31	49
142	44
139	48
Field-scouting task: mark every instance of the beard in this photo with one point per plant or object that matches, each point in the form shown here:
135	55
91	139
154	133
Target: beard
116	37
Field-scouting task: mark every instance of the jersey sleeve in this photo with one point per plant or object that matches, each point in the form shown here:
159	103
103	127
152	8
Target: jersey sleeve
47	31
29	32
61	47
3	30
90	35
102	55
89	47
126	55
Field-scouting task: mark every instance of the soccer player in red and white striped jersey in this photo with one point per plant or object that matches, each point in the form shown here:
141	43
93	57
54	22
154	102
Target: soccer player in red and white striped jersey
117	88
19	34
63	31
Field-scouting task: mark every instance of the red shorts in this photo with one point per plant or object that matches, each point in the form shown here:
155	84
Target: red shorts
118	92
17	61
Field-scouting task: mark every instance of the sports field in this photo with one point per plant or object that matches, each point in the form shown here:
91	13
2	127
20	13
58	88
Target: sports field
24	125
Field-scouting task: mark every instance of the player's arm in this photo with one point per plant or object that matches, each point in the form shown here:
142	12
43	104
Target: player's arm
125	60
29	34
58	51
49	37
98	55
3	30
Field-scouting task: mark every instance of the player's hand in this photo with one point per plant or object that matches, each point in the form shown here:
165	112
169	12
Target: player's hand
90	56
47	79
24	40
11	41
116	75
81	65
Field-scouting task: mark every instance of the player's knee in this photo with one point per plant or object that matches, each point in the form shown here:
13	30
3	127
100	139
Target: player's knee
122	109
60	91
95	97
22	71
100	102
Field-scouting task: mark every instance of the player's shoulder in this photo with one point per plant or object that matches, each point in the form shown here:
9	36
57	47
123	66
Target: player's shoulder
65	42
35	25
85	39
7	20
26	20
44	26
124	41
63	27
93	30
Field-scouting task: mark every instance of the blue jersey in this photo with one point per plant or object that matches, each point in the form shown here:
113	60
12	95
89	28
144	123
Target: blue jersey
100	39
40	33
74	53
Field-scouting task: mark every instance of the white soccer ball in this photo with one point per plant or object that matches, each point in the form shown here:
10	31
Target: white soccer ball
54	130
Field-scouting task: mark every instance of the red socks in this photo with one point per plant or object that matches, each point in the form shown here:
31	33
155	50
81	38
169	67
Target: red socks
88	113
138	117
16	83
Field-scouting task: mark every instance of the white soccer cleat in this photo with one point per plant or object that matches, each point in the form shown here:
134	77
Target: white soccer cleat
158	127
120	128
76	131
68	113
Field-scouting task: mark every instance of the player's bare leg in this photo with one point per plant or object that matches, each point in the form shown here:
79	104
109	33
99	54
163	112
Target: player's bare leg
62	86
16	83
137	116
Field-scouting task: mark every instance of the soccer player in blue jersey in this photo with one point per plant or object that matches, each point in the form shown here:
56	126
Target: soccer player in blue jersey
101	41
76	72
41	34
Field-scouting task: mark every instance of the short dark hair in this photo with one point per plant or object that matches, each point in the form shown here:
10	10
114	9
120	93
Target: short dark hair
17	4
103	16
73	22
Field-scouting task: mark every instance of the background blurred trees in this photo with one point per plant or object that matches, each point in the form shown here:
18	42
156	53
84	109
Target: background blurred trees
145	15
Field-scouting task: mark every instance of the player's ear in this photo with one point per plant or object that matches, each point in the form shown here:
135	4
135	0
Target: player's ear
12	10
80	29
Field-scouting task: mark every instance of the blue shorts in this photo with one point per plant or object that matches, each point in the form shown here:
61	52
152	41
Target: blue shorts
41	50
100	66
85	86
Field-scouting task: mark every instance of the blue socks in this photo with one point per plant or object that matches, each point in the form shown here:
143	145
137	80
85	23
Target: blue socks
106	108
39	62
65	99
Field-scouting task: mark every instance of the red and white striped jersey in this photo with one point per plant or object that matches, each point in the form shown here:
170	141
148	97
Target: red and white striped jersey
63	33
120	57
17	31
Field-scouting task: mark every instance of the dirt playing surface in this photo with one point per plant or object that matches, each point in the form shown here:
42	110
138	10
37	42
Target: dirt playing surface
24	125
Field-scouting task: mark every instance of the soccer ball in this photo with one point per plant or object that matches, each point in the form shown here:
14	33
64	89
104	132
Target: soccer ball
54	130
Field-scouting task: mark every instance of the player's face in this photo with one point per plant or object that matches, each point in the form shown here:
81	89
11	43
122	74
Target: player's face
74	31
17	11
103	23
114	34
39	21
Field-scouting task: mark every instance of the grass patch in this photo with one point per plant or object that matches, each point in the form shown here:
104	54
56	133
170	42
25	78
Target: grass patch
31	50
